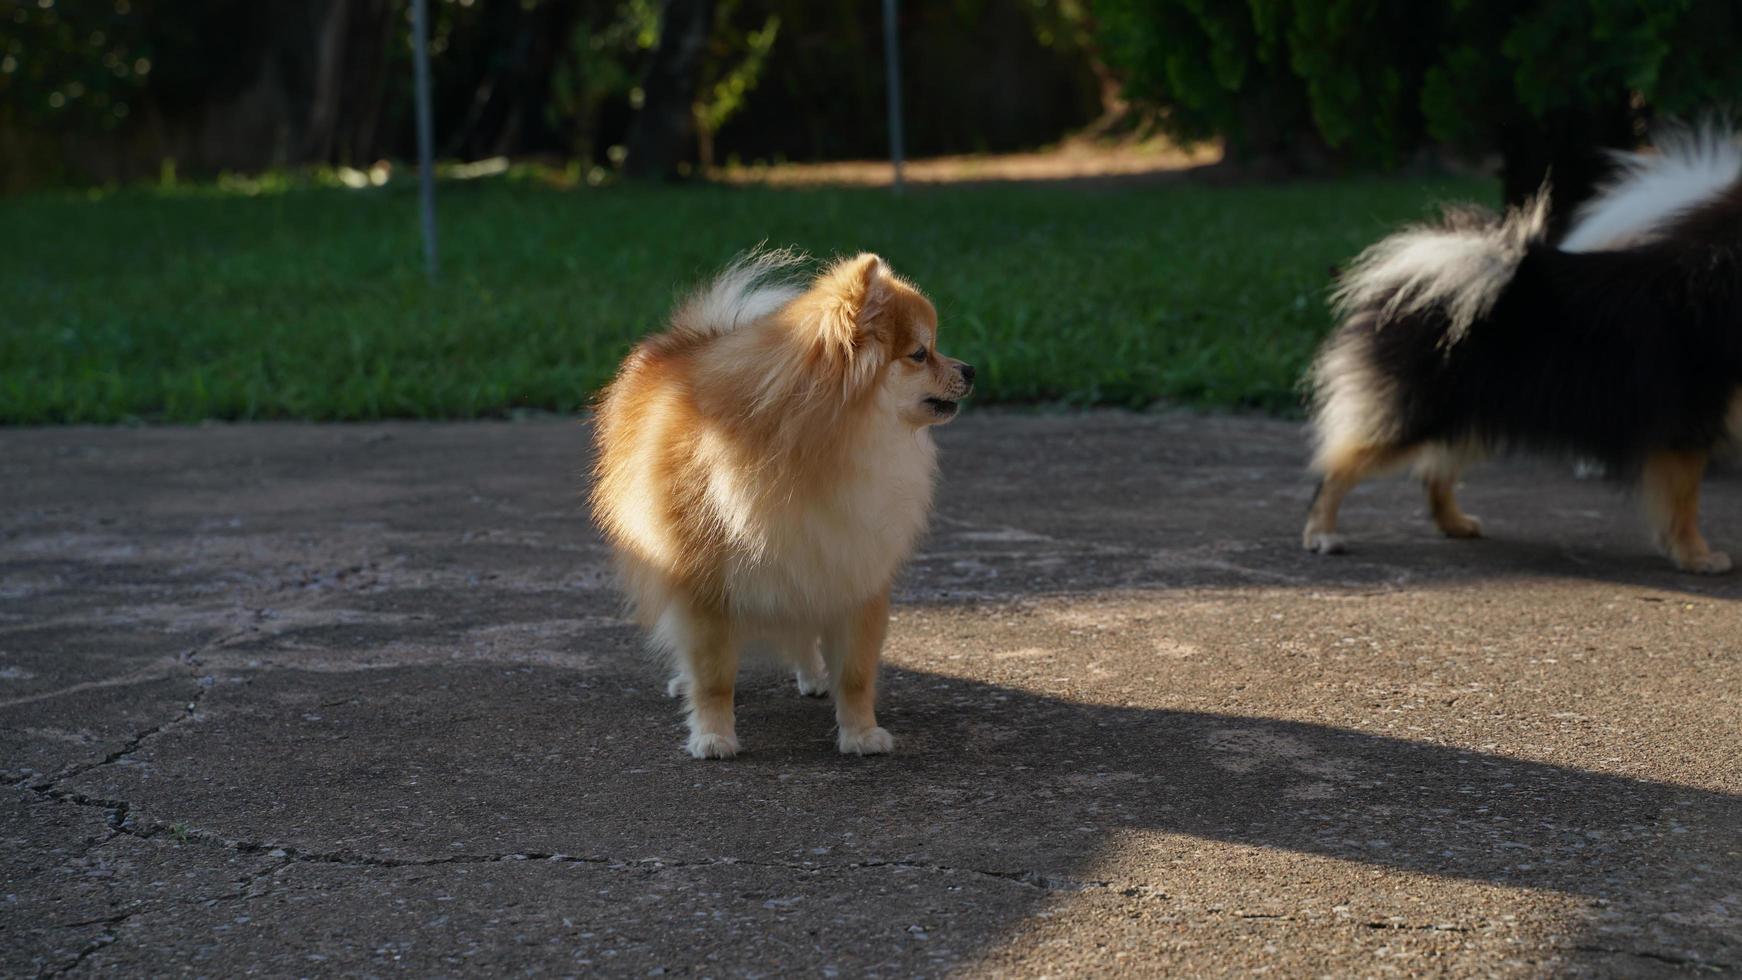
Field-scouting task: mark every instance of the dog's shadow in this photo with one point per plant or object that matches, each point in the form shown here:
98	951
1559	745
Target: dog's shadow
1391	546
1039	788
1015	801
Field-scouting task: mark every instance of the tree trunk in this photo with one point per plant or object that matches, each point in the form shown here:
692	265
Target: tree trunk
509	97
350	79
663	133
323	115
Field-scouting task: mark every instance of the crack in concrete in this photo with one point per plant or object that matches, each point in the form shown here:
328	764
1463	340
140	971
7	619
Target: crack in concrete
1033	879
293	855
245	885
107	920
108	937
192	663
102	939
116	818
118	811
1429	927
91	948
1670	958
122	822
129	747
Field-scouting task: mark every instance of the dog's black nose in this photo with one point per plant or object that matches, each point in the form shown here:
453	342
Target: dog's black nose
967	372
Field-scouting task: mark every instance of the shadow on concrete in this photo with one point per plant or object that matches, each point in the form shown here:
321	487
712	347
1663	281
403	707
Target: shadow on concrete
1385	557
1021	798
343	667
1183	501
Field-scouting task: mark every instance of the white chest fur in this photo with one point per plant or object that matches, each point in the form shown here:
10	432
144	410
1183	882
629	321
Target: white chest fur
806	560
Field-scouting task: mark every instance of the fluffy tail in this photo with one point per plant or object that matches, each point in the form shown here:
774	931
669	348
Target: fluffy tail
1459	265
753	285
1650	190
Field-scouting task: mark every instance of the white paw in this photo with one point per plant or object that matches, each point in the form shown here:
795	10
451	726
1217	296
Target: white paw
675	687
1323	543
813	685
707	745
1710	563
868	741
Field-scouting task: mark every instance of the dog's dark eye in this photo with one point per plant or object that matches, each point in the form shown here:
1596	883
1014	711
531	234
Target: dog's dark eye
918	355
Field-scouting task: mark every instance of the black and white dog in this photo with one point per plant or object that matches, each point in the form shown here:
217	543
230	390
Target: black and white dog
1621	343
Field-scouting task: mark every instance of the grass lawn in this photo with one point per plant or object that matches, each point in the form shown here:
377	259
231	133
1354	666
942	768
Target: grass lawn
310	302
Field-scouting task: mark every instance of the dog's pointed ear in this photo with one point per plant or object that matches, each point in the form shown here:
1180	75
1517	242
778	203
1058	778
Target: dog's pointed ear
859	290
870	276
856	292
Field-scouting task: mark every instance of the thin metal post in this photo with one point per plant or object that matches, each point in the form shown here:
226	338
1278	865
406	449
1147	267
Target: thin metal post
892	68
425	133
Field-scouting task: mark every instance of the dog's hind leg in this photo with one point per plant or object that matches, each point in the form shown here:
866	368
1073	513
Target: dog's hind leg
1343	469
1438	466
1672	502
799	651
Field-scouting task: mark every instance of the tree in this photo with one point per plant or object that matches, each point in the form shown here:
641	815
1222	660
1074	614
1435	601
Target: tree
118	90
1545	83
798	79
663	134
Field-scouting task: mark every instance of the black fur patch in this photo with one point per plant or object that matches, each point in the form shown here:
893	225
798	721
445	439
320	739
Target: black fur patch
1606	355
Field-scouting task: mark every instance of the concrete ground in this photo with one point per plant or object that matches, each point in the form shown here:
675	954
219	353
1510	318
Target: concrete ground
307	700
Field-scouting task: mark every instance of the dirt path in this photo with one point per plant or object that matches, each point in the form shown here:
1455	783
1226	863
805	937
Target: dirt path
1074	161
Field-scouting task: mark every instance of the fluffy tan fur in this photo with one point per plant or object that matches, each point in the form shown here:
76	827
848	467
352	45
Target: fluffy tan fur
764	468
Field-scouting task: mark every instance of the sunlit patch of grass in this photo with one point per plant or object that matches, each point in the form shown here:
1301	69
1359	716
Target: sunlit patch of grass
293	298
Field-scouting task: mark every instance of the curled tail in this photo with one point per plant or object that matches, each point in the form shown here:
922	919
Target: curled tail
750	287
1459	266
1690	168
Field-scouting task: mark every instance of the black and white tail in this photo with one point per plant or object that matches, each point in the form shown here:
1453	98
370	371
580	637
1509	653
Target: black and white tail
1690	167
1459	265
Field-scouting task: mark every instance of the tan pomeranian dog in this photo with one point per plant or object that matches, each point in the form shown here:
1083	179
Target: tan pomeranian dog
764	468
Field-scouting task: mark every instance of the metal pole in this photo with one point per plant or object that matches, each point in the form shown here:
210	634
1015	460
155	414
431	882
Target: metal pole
425	133
892	68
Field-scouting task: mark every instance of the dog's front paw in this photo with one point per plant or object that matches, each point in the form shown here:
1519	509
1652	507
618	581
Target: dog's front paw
869	741
675	687
1323	542
709	745
1710	563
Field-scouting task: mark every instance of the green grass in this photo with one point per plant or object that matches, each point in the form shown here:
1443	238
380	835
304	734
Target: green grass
310	302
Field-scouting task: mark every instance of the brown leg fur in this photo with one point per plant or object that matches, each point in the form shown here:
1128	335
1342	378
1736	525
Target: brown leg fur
851	649
1342	472
710	655
1448	516
1672	502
